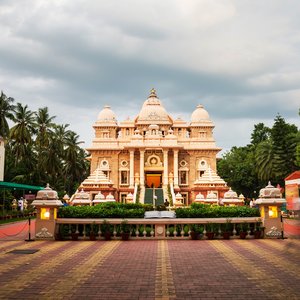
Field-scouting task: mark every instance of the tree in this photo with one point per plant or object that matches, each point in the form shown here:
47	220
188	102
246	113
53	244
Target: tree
284	148
260	133
21	133
264	158
44	126
237	168
6	112
76	167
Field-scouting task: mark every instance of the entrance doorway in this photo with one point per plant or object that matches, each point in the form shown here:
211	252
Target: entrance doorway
153	179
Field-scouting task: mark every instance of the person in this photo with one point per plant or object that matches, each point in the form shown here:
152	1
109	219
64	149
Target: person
21	204
166	203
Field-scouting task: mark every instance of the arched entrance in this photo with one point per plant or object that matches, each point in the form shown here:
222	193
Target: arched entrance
153	179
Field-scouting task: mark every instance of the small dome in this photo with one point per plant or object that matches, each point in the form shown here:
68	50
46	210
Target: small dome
66	197
200	115
199	196
211	195
230	194
110	197
178	196
99	196
269	192
242	197
106	115
129	196
82	195
46	194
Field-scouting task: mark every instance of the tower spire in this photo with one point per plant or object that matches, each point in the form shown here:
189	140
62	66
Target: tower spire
153	93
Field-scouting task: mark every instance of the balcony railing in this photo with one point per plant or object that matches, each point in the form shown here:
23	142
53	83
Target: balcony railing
143	229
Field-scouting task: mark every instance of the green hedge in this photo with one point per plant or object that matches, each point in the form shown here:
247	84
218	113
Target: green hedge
105	210
137	210
207	211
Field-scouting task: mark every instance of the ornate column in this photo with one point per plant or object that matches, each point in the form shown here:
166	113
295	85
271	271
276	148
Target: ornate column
131	169
175	168
142	163
166	181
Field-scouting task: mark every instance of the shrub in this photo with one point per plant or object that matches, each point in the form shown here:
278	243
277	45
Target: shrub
206	211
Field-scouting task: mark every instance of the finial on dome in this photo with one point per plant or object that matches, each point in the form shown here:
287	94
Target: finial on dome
153	93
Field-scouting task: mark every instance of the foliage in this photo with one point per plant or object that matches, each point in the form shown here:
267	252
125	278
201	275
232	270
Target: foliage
106	210
217	212
39	151
6	113
238	170
125	227
272	154
105	226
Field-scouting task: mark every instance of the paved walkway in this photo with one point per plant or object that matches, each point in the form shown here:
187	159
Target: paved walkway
17	230
233	269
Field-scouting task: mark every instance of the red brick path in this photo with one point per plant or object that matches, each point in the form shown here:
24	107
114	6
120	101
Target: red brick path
234	269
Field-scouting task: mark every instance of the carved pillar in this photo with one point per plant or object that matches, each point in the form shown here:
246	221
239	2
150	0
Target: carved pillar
131	169
176	168
142	163
166	181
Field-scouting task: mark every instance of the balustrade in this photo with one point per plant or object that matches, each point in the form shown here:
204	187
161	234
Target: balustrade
158	228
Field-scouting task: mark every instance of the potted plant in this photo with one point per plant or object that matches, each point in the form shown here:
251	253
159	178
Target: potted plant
243	230
226	232
105	230
93	232
61	233
258	231
194	231
210	233
125	230
74	236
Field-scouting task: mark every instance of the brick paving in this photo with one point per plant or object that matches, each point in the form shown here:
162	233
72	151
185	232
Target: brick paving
170	269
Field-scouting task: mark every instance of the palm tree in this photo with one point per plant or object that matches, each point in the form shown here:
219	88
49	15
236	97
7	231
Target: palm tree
6	112
21	134
61	134
75	168
264	157
44	127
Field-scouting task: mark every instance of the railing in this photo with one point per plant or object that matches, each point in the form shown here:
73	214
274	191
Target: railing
135	192
158	228
172	193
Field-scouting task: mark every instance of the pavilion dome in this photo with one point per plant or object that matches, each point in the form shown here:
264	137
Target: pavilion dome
211	195
107	116
200	115
46	194
153	112
230	194
99	196
270	192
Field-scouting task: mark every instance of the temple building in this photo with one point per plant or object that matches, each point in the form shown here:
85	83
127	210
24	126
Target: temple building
153	157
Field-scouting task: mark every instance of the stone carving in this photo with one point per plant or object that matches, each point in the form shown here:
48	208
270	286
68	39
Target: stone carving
44	233
274	232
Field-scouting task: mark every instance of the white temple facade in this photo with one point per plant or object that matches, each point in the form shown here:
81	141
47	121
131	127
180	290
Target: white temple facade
153	151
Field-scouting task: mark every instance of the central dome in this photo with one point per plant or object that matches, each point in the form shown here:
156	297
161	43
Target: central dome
153	112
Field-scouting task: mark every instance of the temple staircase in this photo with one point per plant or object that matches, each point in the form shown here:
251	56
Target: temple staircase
149	196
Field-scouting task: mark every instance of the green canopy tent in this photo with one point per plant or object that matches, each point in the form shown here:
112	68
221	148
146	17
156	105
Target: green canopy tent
17	186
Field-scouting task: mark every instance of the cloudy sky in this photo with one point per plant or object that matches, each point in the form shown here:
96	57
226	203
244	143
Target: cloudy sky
239	58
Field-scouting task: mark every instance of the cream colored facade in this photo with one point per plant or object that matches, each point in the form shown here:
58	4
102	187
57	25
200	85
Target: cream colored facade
153	150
